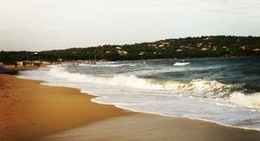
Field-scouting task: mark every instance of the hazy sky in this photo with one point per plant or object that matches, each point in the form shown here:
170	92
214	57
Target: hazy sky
55	24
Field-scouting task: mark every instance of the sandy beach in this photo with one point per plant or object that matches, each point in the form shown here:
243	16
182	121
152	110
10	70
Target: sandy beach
31	112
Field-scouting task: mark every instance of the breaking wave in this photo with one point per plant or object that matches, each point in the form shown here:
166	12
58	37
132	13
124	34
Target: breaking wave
210	89
250	101
118	80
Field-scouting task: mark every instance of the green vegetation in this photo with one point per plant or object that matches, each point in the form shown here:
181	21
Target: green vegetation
191	47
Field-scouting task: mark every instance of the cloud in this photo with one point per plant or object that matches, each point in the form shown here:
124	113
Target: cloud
66	23
232	6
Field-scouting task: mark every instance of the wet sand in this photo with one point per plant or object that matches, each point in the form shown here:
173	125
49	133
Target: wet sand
145	127
31	112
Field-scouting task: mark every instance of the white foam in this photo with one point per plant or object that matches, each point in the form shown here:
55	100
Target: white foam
181	63
250	101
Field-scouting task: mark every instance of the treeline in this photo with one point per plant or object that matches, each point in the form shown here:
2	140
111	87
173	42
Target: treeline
191	47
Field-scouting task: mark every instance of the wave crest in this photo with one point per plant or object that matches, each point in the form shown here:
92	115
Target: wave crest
181	63
117	80
250	101
202	88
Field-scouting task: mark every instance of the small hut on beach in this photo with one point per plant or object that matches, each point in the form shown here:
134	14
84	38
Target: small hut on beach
3	70
2	67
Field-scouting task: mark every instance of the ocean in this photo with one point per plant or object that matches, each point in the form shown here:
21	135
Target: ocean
221	90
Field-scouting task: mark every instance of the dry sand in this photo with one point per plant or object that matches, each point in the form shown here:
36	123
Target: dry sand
29	110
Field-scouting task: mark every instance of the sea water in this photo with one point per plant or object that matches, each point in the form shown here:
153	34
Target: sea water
221	90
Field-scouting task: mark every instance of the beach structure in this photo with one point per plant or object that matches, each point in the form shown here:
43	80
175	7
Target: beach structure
3	70
2	67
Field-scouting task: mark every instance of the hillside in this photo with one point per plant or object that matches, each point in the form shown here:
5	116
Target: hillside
191	47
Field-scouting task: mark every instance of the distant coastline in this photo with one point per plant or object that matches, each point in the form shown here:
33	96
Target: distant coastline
190	47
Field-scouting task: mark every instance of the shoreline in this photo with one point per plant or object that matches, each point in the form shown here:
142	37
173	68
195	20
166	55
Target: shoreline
189	118
142	112
119	116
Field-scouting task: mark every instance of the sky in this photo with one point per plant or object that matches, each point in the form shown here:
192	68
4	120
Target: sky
36	25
